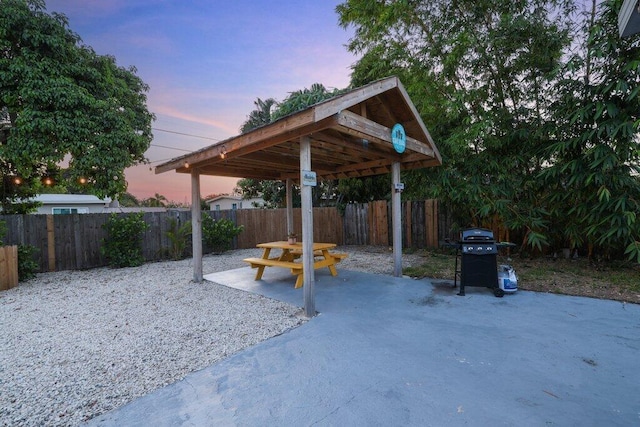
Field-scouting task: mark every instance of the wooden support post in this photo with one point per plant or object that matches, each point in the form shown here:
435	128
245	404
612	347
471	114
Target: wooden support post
51	243
196	226
396	210
307	230
290	227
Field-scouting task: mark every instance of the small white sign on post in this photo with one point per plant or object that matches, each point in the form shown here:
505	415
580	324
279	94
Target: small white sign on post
309	178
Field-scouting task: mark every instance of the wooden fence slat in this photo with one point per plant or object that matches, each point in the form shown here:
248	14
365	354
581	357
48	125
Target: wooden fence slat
51	243
76	239
356	224
8	267
378	223
4	269
431	223
13	266
79	238
407	224
418	233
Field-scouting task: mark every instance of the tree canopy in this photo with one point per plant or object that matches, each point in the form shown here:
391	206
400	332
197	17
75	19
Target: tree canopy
592	184
533	106
63	104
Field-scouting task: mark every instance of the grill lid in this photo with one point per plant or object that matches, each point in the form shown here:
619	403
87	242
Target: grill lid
477	235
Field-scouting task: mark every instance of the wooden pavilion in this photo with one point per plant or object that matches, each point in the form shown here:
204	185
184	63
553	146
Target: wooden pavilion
371	130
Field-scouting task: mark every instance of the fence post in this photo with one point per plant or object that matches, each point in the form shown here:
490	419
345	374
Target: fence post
51	243
8	267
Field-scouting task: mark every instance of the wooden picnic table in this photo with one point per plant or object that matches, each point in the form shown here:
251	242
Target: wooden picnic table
290	252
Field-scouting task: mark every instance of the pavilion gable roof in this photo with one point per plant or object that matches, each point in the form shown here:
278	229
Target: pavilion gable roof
350	136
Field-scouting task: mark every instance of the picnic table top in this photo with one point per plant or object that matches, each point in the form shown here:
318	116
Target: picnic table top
317	246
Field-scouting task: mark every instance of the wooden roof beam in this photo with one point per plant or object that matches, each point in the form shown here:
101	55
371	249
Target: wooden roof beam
280	161
387	111
234	172
368	129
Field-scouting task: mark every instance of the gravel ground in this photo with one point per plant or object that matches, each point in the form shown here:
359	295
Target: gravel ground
76	344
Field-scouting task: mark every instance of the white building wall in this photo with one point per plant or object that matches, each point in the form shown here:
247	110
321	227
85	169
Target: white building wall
230	203
70	203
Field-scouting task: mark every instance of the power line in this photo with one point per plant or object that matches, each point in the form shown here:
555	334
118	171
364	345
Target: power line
161	160
186	134
171	148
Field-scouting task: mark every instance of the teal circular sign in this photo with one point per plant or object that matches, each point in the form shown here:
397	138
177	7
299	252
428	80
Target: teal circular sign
399	138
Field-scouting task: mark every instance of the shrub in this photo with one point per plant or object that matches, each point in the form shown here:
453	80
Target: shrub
123	245
27	267
3	231
177	236
217	235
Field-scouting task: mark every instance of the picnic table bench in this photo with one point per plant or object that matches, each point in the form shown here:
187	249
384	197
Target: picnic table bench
290	253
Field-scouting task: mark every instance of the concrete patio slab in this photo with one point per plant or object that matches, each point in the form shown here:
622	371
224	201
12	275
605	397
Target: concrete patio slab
387	351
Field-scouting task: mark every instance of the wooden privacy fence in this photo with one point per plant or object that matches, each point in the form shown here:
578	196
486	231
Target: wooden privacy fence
371	224
72	242
268	225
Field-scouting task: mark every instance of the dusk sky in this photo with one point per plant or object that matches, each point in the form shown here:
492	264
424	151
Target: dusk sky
206	62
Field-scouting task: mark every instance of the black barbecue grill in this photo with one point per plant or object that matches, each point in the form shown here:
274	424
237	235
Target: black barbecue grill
476	255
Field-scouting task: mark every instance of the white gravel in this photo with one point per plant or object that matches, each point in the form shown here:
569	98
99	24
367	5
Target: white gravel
76	344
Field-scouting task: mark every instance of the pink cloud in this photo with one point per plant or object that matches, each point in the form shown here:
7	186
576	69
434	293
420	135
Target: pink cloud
178	114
